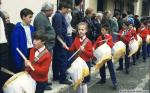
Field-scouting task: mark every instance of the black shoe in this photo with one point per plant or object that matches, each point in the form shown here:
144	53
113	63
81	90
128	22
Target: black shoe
114	87
1	91
66	82
134	63
127	71
119	68
49	83
48	88
55	79
144	60
101	82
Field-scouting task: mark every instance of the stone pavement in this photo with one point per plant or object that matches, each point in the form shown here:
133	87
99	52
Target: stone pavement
61	88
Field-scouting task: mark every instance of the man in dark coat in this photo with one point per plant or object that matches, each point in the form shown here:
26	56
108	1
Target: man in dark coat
42	22
60	54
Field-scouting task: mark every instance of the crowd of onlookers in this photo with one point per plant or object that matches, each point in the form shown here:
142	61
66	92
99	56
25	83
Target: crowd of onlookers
64	23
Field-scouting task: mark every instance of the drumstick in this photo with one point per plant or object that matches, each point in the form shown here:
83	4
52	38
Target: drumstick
115	33
84	43
7	71
74	54
61	41
21	54
104	40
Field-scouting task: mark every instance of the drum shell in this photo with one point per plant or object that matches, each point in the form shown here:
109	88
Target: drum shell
118	51
78	71
133	47
139	39
21	82
102	54
148	39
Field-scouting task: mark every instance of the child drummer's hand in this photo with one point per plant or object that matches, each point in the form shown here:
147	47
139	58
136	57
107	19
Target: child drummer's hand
66	47
82	48
27	63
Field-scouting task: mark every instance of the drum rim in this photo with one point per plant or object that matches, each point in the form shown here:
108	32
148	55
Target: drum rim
14	77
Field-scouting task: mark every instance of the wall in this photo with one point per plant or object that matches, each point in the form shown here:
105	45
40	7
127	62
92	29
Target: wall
137	7
110	5
93	5
13	7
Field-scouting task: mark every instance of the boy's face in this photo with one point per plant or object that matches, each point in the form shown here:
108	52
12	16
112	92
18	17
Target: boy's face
38	43
103	31
142	25
124	26
65	10
27	19
130	26
82	30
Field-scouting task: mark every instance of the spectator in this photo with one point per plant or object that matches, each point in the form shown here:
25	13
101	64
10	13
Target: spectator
106	20
88	20
60	58
114	25
3	50
77	16
97	23
136	22
9	28
21	38
42	22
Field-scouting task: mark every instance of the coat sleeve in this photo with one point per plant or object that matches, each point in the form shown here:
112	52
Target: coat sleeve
15	44
57	24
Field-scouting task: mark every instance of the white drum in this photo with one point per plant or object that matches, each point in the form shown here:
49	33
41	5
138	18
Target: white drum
102	54
133	47
148	39
78	71
118	51
21	82
139	39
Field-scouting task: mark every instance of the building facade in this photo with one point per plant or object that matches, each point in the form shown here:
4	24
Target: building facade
138	7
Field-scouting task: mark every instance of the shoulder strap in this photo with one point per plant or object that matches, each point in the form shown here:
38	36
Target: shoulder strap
39	56
85	42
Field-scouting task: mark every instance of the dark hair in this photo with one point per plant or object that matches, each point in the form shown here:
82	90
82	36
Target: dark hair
40	35
88	11
64	4
83	23
25	12
77	2
116	14
124	15
105	26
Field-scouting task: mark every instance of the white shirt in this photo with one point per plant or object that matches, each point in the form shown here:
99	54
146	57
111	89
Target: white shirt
28	36
68	18
39	51
81	40
2	32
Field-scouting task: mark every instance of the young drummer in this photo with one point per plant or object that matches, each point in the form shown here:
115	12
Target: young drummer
148	46
125	35
41	66
134	34
85	52
143	32
109	41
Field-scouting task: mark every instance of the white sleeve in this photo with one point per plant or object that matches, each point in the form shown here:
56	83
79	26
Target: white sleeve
2	32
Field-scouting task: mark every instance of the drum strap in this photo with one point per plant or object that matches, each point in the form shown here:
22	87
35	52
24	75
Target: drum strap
39	56
103	38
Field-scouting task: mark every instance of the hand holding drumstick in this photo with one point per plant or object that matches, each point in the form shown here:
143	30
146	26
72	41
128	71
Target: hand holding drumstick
27	62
